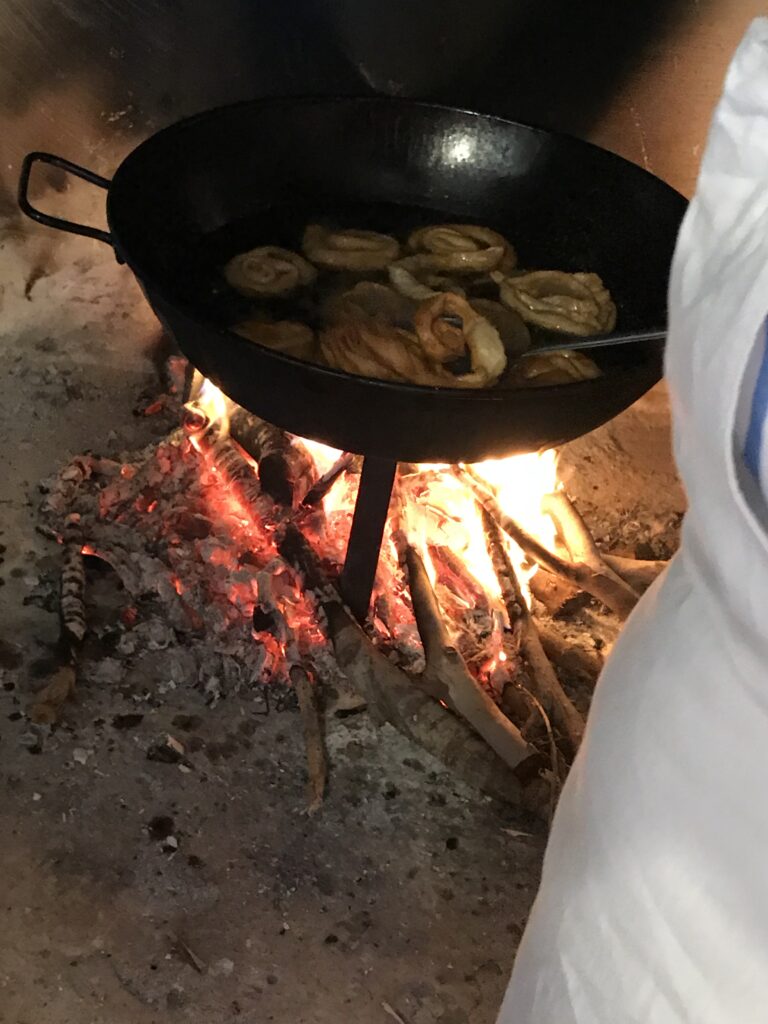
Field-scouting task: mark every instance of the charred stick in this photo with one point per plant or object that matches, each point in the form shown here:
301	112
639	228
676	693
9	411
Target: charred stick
141	573
446	671
323	485
544	683
317	769
389	692
615	595
72	603
286	470
46	707
581	544
230	461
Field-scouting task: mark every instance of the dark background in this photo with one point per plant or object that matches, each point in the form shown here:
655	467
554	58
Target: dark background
89	78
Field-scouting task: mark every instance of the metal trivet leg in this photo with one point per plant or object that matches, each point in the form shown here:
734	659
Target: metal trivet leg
371	508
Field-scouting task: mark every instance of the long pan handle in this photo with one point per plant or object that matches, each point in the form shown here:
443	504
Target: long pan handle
595	341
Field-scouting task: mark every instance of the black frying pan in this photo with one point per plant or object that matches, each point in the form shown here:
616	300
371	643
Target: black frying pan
238	176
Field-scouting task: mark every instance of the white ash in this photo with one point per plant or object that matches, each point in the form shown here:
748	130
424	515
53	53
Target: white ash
189	585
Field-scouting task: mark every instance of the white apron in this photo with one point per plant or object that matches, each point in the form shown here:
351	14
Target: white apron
653	906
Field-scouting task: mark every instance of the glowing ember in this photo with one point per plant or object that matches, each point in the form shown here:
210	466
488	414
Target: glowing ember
440	517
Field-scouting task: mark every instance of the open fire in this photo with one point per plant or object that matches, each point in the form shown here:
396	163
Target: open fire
440	517
229	536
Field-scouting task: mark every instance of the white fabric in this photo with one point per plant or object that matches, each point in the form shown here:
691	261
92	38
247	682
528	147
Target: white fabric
653	906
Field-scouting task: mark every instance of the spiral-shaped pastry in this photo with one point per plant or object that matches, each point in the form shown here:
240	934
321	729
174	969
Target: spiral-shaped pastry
350	249
570	303
447	325
554	368
371	348
268	271
463	248
415	278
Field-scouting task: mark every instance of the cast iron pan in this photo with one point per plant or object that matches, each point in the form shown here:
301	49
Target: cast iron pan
254	173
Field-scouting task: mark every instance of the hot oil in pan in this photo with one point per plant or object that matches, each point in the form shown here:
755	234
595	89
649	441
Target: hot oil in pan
284	225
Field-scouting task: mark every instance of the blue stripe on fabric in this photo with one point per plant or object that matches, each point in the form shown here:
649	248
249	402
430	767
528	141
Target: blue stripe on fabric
753	445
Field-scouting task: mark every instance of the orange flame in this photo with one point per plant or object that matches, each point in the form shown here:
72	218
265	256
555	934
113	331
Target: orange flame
440	515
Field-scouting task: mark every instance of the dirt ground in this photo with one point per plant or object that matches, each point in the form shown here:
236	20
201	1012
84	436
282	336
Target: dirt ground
143	891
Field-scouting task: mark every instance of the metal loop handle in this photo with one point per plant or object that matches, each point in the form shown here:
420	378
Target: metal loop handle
58	222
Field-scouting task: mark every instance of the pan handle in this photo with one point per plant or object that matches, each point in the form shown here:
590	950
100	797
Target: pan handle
58	222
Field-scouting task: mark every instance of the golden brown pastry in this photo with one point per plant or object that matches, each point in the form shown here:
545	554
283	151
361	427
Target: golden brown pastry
268	271
445	327
463	248
554	368
375	349
349	249
415	278
287	336
444	339
571	303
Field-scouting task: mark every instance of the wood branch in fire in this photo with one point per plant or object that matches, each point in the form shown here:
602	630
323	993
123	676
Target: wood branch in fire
571	657
581	544
542	677
638	573
286	470
323	485
230	461
447	674
391	694
613	593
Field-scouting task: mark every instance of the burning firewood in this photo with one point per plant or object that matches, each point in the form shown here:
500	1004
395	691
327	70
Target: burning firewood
542	677
391	695
323	485
286	470
608	588
581	544
447	676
